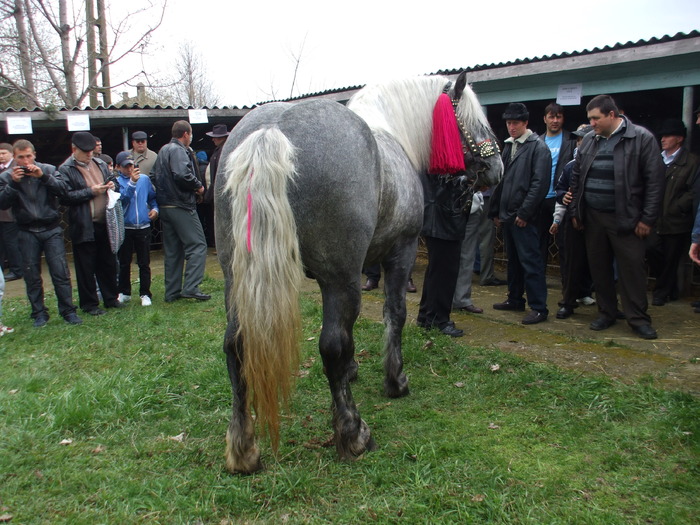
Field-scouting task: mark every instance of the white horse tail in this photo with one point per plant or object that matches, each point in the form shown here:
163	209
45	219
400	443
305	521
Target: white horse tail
267	270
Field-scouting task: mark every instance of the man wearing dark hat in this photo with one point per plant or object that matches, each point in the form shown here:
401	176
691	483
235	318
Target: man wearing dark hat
87	180
617	185
218	135
676	218
177	189
515	204
144	158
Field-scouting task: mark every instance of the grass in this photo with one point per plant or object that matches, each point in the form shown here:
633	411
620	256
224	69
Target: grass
143	396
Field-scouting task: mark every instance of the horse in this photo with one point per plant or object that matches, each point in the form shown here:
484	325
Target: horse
323	189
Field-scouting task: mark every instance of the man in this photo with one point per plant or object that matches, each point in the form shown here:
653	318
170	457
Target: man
87	180
515	204
617	184
177	188
32	190
98	152
140	208
676	218
218	134
561	144
10	259
144	158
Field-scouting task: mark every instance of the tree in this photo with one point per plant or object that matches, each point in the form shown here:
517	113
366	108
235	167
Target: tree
191	86
45	55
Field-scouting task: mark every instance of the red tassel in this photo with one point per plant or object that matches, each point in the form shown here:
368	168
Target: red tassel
446	155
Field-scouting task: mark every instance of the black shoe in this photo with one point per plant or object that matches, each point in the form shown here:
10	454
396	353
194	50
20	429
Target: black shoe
534	317
72	318
657	301
509	305
369	285
601	324
695	304
198	295
410	287
451	330
12	276
172	299
620	315
95	311
645	331
495	282
41	321
115	304
565	312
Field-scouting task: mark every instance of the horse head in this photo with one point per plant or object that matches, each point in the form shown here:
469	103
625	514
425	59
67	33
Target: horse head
482	154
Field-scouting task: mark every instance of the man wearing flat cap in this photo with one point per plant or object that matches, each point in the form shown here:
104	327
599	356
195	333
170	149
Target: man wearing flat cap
676	218
144	158
218	135
87	180
515	204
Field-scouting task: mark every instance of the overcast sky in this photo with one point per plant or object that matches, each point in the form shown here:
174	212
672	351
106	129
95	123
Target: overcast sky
250	46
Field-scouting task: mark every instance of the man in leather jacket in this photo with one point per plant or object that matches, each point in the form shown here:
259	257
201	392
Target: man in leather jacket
177	190
32	190
617	185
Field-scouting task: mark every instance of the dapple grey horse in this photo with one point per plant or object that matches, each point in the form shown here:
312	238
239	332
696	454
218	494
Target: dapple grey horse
321	189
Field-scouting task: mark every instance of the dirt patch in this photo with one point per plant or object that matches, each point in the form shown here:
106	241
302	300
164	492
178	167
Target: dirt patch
672	360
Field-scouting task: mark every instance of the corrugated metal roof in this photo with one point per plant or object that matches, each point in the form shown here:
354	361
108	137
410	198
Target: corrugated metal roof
112	107
520	61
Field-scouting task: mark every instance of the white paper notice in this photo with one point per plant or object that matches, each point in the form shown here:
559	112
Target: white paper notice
198	116
19	126
569	94
78	122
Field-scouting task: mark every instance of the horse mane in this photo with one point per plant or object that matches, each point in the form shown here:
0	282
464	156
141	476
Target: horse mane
404	109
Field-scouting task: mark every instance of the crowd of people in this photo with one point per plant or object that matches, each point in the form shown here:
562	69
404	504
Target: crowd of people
170	185
618	206
620	203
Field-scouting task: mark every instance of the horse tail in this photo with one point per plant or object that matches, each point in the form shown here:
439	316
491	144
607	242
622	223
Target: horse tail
267	271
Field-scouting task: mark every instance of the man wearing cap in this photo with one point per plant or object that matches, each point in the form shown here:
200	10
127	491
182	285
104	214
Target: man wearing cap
144	158
617	185
218	135
561	144
87	180
177	189
138	198
575	272
515	204
31	190
676	218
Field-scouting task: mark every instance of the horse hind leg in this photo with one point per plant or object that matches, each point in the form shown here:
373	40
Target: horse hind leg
340	310
242	452
397	269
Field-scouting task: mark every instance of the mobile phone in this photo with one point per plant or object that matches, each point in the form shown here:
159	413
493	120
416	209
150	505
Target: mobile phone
26	169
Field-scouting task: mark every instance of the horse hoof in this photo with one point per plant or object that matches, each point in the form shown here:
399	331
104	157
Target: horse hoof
242	462
396	388
363	441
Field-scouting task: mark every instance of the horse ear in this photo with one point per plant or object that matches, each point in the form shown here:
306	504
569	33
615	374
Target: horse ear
460	84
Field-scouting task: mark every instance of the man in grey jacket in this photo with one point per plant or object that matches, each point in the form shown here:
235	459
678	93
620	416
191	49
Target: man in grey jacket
177	190
617	185
515	204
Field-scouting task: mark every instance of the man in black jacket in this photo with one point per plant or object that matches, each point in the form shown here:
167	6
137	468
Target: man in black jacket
31	190
86	181
515	204
617	185
177	190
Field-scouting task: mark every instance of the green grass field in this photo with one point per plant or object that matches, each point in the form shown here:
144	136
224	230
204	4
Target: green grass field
122	420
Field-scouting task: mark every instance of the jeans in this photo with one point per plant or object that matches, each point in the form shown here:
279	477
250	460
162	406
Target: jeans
525	266
32	244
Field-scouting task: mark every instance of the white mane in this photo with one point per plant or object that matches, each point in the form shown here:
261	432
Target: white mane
404	109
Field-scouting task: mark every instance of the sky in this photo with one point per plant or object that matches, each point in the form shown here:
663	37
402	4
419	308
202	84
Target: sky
252	48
